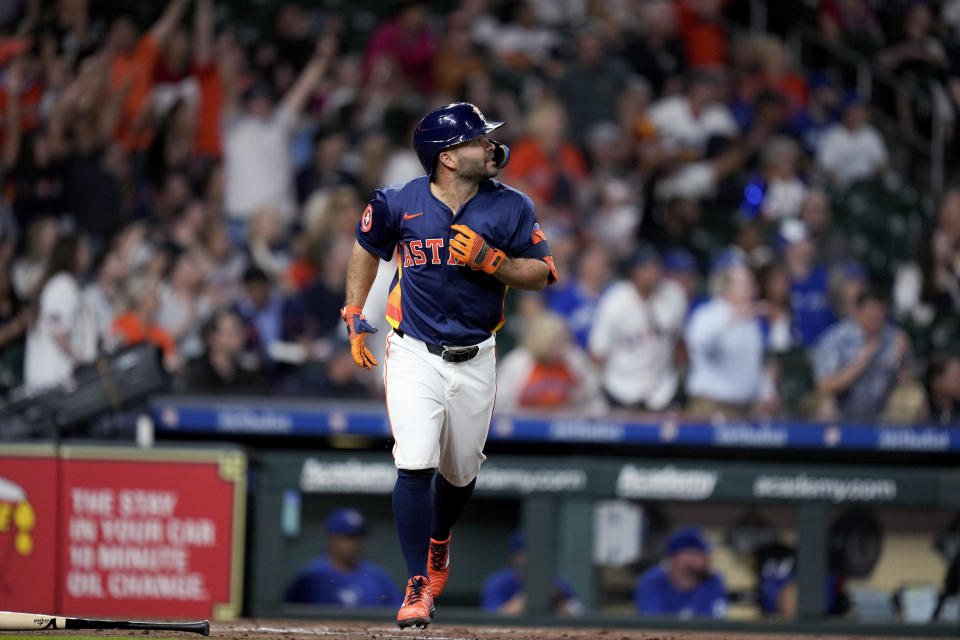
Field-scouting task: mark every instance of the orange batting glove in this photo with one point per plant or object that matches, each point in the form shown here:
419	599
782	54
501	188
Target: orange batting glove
357	328
474	251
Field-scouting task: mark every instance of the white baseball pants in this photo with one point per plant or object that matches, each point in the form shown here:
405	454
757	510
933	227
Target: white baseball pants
439	411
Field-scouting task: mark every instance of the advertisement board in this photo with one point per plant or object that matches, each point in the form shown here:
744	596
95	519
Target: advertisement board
28	528
122	532
153	534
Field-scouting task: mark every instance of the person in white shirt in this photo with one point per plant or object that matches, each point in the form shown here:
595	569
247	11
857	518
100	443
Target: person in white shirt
64	334
725	344
183	306
928	286
103	294
257	143
785	192
686	122
686	126
635	332
520	40
27	268
852	149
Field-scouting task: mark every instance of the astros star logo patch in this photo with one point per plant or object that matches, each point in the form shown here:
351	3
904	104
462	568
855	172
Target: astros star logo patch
366	220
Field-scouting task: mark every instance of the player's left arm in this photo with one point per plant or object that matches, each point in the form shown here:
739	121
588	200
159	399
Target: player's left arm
521	272
522	261
531	262
528	274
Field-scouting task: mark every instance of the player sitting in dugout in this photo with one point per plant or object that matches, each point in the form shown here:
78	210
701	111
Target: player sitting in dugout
683	585
503	591
343	577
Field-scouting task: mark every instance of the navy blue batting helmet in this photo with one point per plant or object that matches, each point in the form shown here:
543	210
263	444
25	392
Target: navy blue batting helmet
449	125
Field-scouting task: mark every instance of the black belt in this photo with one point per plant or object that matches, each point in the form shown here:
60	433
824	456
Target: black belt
449	354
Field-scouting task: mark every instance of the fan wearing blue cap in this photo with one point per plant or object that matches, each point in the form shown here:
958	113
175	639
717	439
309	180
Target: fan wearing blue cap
342	576
683	585
819	114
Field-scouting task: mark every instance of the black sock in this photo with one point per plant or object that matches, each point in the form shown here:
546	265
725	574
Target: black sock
448	504
412	508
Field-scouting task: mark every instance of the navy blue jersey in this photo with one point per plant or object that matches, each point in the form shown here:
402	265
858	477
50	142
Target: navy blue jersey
435	297
366	586
655	595
500	587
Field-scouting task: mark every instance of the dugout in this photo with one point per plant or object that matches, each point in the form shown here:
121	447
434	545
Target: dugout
554	499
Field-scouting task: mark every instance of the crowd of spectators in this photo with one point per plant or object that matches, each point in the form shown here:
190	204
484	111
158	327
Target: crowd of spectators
196	184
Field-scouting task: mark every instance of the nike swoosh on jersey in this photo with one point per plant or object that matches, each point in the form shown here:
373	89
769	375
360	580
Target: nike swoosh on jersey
407	216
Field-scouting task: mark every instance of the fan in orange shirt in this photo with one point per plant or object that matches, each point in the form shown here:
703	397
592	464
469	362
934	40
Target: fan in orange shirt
132	64
138	323
23	84
209	67
548	371
703	33
776	74
545	165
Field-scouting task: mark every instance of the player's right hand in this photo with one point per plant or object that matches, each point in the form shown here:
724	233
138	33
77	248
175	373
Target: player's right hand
357	328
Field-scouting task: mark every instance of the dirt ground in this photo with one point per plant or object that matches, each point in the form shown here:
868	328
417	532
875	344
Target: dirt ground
294	630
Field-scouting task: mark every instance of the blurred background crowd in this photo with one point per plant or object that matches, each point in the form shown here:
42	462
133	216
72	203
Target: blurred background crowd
734	231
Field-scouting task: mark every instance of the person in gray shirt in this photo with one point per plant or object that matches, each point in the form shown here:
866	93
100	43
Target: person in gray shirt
857	361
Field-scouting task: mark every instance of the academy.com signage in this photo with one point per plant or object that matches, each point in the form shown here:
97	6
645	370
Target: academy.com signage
665	483
354	476
349	476
531	480
805	487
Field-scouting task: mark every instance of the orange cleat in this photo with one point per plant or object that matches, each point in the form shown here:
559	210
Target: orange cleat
438	565
417	606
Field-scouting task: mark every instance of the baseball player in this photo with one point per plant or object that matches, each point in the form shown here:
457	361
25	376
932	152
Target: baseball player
342	576
462	238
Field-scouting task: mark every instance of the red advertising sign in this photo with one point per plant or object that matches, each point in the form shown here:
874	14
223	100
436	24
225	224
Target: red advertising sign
28	528
155	537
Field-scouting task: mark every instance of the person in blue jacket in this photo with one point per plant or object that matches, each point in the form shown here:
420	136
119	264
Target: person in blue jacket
342	576
503	590
683	585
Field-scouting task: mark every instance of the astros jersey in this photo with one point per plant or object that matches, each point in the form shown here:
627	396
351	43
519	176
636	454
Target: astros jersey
435	297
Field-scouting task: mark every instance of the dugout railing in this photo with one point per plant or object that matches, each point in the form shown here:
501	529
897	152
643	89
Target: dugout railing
553	499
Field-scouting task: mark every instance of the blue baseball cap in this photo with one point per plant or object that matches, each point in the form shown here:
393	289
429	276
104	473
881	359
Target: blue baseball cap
679	260
821	79
346	522
853	270
851	99
517	542
728	258
687	538
643	254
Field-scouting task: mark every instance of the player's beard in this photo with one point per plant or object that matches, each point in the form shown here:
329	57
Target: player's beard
478	171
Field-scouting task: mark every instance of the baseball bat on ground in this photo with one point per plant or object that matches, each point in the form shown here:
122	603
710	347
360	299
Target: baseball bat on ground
12	621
